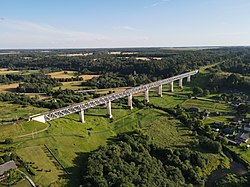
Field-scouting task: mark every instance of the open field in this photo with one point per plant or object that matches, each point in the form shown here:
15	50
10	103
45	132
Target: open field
70	141
50	171
242	151
12	131
72	85
8	87
4	71
210	106
13	111
69	74
62	74
88	77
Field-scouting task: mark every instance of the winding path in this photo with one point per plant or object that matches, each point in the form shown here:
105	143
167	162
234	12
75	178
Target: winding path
33	133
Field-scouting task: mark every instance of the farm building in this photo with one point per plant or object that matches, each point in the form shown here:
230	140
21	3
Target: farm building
6	167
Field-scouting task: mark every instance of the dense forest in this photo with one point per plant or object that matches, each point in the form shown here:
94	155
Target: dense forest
133	160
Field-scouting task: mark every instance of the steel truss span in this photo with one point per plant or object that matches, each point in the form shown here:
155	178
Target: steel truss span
53	114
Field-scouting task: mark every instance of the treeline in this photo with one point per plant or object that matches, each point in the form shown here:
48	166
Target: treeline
172	63
238	65
231	180
133	160
59	98
113	80
217	83
31	83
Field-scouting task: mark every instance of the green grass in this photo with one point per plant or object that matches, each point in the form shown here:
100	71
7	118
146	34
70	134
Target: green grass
10	111
168	132
210	106
70	141
43	160
167	101
227	113
12	131
242	151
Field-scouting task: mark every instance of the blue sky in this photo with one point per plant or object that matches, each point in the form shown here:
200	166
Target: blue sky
123	23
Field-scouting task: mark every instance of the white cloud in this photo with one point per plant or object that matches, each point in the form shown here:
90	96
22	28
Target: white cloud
157	3
127	28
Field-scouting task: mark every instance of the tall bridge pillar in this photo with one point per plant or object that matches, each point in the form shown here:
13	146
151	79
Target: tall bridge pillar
109	112
189	78
146	95
180	83
171	86
130	102
160	90
81	113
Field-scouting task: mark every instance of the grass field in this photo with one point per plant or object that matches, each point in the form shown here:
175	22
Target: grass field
211	106
50	171
69	74
9	111
72	85
4	71
12	131
242	151
70	141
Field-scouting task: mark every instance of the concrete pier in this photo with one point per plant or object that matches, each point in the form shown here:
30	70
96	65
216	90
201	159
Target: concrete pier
189	78
146	95
109	112
160	90
81	113
180	83
130	102
171	86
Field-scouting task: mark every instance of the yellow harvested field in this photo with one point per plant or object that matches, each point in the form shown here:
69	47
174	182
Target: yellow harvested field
157	58
142	58
70	74
77	54
8	87
6	71
88	77
61	74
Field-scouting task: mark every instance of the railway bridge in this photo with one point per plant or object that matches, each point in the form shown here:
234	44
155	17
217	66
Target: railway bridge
81	107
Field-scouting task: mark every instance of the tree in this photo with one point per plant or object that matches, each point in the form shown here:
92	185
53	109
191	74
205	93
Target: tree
8	140
197	91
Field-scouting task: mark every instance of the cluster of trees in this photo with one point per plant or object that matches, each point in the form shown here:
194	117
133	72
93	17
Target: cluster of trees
220	83
172	62
239	65
132	160
232	97
59	98
37	83
231	180
26	100
111	80
31	83
197	91
77	78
